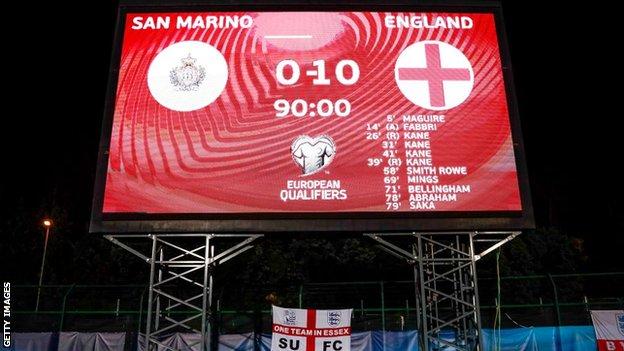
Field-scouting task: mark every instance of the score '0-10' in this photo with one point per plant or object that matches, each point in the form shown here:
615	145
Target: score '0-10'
324	107
319	72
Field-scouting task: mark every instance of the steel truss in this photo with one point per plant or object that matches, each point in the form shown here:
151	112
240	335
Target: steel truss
181	280
445	278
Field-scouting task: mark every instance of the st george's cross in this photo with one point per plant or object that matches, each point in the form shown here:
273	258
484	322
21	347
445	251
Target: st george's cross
434	75
311	330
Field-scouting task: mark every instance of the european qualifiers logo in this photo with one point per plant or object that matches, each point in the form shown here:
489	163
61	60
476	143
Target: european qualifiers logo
313	154
187	76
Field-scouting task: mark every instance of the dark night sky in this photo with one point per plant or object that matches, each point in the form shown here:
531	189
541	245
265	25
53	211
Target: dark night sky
562	72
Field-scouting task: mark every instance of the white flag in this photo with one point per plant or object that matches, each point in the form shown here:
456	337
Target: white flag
311	330
609	326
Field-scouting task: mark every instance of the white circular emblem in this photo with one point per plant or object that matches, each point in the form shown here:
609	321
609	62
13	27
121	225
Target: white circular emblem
434	75
187	76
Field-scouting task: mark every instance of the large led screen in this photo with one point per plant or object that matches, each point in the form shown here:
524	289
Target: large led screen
310	112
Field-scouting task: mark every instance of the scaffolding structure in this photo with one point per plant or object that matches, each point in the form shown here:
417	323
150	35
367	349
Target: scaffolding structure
445	278
175	260
444	265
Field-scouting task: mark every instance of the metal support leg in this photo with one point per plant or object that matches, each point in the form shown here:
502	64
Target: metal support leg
477	315
423	295
160	279
150	294
205	288
461	278
417	292
209	310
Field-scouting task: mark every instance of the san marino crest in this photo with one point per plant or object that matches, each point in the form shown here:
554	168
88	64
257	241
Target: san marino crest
188	76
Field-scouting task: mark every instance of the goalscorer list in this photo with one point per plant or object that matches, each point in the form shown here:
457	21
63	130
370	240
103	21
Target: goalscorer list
412	179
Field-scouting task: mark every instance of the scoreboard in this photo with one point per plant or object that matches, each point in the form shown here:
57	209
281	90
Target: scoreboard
295	119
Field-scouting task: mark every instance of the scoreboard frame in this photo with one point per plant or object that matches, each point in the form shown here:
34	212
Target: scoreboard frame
310	221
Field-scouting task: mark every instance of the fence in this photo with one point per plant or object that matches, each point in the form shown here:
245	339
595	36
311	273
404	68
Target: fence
544	300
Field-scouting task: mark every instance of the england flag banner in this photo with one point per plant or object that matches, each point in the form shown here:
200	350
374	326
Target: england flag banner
311	330
609	326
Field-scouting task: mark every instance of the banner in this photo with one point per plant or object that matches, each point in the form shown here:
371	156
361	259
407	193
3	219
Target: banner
311	330
609	326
